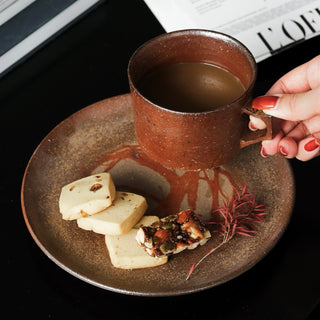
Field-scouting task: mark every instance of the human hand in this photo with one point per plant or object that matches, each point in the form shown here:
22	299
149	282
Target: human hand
294	98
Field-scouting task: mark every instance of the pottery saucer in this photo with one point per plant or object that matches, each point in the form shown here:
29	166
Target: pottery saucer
101	137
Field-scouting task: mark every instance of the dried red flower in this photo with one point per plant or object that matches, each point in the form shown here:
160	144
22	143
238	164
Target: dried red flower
237	217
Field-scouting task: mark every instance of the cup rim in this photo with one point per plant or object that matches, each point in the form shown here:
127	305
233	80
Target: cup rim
203	32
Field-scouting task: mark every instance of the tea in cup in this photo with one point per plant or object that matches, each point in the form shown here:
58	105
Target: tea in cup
191	92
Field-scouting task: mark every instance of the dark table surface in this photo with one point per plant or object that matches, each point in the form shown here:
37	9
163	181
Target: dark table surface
85	64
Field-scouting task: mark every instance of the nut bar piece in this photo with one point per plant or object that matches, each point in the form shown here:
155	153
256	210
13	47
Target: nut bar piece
173	234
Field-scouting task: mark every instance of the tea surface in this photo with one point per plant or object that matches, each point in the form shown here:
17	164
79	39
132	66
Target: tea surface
191	87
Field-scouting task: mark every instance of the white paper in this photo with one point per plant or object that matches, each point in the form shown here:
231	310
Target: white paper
264	26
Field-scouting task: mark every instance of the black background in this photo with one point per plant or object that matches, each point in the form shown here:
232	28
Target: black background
85	64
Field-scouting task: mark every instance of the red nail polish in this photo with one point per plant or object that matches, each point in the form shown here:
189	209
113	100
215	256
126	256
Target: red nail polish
263	152
282	150
311	145
265	102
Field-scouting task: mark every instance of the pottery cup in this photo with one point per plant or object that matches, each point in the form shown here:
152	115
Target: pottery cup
194	140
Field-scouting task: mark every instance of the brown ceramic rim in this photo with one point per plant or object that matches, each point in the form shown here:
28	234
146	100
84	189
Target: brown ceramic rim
206	33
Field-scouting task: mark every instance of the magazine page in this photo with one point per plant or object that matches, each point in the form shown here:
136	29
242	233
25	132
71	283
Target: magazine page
25	25
264	26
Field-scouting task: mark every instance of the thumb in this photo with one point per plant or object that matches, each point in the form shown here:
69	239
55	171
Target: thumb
294	107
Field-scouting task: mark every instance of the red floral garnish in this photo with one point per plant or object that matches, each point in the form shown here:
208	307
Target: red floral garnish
238	217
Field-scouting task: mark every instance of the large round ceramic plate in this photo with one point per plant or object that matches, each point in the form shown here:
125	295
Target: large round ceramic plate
101	137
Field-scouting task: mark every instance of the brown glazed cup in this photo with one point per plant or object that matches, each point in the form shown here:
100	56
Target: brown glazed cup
199	140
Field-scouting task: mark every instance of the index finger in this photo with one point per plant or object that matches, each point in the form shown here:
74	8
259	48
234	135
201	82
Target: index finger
294	107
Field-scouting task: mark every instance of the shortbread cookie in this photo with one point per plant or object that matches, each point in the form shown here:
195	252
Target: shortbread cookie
87	196
125	211
125	252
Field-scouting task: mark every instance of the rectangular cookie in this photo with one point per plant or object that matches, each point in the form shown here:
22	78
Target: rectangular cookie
125	211
126	253
86	196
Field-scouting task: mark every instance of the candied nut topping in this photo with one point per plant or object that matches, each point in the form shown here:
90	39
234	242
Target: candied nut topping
173	234
95	187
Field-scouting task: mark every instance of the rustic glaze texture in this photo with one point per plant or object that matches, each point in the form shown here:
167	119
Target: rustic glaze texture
193	141
102	137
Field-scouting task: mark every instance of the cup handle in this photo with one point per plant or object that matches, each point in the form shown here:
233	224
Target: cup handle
273	126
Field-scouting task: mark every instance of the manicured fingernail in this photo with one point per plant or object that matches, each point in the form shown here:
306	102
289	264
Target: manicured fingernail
263	152
312	145
265	102
282	150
